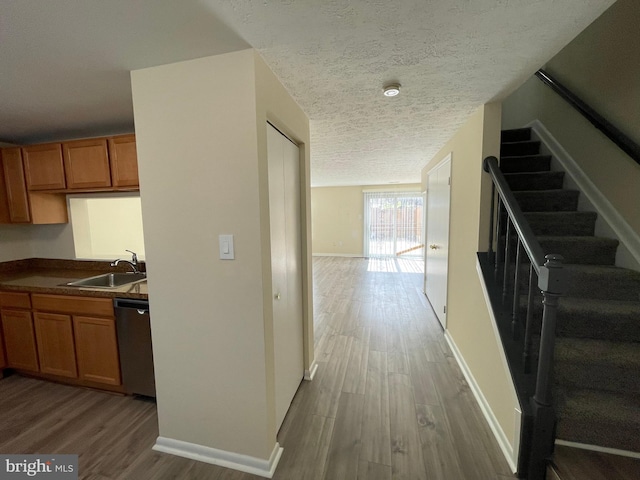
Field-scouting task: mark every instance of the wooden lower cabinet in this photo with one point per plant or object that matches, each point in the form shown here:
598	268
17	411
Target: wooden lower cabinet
19	340
54	334
97	349
3	362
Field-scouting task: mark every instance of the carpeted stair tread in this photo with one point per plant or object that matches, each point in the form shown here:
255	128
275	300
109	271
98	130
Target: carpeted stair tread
562	223
599	418
525	163
547	200
597	364
515	135
535	180
581	250
602	282
591	318
528	147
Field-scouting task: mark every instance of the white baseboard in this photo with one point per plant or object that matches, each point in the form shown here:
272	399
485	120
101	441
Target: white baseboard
503	442
350	255
597	448
235	461
616	223
309	374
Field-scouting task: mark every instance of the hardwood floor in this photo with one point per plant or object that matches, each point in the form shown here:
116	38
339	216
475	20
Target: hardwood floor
388	401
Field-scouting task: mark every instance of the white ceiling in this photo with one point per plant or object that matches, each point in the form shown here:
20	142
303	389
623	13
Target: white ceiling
65	66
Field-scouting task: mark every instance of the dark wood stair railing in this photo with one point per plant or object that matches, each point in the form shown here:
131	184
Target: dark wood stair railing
539	418
623	142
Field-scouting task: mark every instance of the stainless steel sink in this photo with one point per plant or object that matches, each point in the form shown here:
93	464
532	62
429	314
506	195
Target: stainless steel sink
109	280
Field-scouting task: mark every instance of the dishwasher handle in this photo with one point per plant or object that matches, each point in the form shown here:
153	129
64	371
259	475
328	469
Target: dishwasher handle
142	306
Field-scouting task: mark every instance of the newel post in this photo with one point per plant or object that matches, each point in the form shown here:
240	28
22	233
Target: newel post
552	284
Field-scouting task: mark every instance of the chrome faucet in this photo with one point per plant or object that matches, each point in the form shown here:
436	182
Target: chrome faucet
133	263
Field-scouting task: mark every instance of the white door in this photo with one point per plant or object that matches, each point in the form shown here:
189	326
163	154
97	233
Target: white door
284	210
437	251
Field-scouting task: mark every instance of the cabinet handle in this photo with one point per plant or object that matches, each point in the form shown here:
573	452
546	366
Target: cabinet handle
277	296
433	246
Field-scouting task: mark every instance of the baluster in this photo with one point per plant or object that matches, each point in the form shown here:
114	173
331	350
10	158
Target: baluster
507	259
498	238
491	221
516	292
528	326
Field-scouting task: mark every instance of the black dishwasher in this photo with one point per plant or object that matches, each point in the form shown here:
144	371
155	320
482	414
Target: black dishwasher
134	344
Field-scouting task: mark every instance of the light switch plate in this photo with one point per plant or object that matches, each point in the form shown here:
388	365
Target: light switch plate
226	247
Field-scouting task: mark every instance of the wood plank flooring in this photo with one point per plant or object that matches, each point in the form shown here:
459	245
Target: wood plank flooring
388	401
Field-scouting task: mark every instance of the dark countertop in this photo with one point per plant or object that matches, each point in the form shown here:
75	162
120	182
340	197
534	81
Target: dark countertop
40	275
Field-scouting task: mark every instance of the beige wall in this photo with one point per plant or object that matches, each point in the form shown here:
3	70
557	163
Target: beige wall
200	128
338	217
602	65
468	320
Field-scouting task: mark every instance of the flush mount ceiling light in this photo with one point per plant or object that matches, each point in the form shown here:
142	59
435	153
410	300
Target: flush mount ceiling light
391	90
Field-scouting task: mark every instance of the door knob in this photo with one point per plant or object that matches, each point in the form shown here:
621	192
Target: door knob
277	296
433	246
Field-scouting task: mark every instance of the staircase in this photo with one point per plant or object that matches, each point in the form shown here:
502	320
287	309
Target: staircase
597	355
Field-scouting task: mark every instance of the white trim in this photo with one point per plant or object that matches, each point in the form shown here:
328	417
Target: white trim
597	448
350	255
505	446
309	374
625	233
223	458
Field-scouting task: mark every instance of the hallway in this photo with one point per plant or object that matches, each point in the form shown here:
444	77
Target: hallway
388	400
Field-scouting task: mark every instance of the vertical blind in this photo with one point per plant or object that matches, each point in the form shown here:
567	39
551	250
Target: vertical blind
393	224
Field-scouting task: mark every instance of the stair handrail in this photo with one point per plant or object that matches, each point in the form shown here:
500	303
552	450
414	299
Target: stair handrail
614	134
552	284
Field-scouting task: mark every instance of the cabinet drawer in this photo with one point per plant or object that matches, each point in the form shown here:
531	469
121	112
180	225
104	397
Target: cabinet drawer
101	307
15	300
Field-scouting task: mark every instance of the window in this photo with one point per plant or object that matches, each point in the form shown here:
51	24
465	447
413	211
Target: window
393	224
104	226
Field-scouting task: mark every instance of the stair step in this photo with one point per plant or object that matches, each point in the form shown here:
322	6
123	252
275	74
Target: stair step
535	180
579	464
516	135
590	318
599	418
603	282
562	223
510	149
581	250
547	200
526	163
597	365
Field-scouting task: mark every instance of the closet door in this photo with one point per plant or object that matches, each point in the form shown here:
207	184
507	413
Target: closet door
284	210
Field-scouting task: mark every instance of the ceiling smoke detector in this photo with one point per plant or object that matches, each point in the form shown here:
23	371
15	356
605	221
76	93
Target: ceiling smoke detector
391	90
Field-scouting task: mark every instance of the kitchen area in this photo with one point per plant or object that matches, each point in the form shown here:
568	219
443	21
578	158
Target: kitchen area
78	322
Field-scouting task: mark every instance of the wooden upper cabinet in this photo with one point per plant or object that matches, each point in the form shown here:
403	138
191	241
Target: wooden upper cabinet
16	202
86	164
19	340
44	167
124	161
55	344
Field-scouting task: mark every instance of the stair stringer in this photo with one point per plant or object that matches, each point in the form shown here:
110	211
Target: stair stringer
609	223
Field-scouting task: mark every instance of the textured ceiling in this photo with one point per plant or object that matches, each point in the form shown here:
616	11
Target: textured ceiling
65	63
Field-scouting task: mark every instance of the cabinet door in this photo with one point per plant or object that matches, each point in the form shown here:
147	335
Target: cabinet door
3	362
55	344
124	161
97	349
44	167
86	163
14	182
19	340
